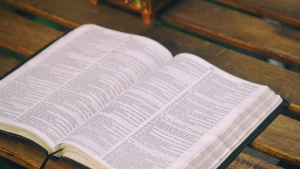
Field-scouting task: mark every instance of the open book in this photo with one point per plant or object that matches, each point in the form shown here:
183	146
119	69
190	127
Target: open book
116	100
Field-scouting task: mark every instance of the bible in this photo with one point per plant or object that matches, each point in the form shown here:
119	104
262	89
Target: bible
109	99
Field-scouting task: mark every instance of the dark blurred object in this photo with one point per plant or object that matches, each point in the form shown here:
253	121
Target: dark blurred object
146	7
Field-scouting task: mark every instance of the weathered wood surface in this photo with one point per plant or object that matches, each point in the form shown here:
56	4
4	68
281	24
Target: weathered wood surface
29	155
279	138
7	63
284	82
245	161
237	29
22	35
72	14
285	11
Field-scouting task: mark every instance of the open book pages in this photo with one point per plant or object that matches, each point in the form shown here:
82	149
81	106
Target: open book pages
117	100
72	79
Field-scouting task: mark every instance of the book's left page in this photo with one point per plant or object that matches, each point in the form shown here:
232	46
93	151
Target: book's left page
62	86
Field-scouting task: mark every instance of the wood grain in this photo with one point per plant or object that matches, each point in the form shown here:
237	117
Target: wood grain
281	142
7	63
247	161
22	35
30	155
16	149
237	29
72	13
285	11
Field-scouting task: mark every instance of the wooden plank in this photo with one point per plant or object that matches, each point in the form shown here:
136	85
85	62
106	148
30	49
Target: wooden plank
285	11
282	81
244	160
22	35
72	13
235	28
7	63
279	140
29	155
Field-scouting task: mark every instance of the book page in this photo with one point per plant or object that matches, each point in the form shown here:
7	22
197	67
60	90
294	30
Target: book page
135	106
199	128
213	109
61	87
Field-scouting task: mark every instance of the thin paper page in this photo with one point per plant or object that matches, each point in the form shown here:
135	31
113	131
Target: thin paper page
227	137
173	136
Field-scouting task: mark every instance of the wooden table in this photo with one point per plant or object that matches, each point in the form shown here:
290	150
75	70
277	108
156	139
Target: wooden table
225	35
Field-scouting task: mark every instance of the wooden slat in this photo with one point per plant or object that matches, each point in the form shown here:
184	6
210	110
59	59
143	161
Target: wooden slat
236	28
7	63
71	14
28	154
23	36
282	81
281	139
246	161
16	149
285	11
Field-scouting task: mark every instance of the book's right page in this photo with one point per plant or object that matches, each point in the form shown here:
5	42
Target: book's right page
200	127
